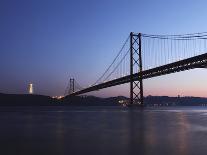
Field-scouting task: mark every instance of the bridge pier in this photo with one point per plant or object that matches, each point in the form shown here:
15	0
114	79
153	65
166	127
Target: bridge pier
136	86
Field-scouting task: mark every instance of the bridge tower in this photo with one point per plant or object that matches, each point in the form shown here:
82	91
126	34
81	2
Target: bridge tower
136	87
72	86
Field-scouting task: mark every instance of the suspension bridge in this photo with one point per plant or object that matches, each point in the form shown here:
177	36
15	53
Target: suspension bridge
145	56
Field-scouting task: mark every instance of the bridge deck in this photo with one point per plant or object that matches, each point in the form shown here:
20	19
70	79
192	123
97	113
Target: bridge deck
199	61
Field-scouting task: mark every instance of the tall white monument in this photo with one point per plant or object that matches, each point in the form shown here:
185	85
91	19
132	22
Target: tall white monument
31	89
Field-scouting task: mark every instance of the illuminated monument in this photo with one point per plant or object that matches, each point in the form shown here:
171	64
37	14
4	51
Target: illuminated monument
31	90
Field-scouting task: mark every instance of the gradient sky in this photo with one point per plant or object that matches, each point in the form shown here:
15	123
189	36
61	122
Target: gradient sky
47	41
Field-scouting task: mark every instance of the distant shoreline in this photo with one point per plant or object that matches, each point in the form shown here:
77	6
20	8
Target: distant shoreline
41	100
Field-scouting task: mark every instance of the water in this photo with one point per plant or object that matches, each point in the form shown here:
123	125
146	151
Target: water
103	131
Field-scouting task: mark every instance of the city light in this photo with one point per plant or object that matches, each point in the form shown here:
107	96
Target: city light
58	97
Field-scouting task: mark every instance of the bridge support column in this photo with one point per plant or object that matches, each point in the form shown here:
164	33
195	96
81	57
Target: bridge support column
72	87
136	87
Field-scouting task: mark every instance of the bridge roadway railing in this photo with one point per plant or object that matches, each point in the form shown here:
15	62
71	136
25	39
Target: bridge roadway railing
199	61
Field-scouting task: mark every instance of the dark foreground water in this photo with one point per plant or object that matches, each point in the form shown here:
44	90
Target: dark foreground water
103	131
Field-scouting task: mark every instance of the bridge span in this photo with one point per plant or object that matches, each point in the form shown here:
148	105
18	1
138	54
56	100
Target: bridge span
178	49
199	61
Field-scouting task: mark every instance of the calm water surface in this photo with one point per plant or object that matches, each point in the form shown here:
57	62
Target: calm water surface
103	131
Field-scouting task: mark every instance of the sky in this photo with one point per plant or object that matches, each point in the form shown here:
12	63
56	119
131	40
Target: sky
45	42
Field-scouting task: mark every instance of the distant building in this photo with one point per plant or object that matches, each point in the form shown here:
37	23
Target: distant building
31	89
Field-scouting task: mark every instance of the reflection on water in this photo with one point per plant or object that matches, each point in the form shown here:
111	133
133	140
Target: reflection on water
103	131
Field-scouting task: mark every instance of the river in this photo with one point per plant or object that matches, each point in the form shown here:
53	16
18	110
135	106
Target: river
103	131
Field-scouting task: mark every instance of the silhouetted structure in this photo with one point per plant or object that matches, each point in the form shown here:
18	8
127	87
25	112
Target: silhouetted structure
172	53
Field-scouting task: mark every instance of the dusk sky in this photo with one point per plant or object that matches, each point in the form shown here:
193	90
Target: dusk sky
46	42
